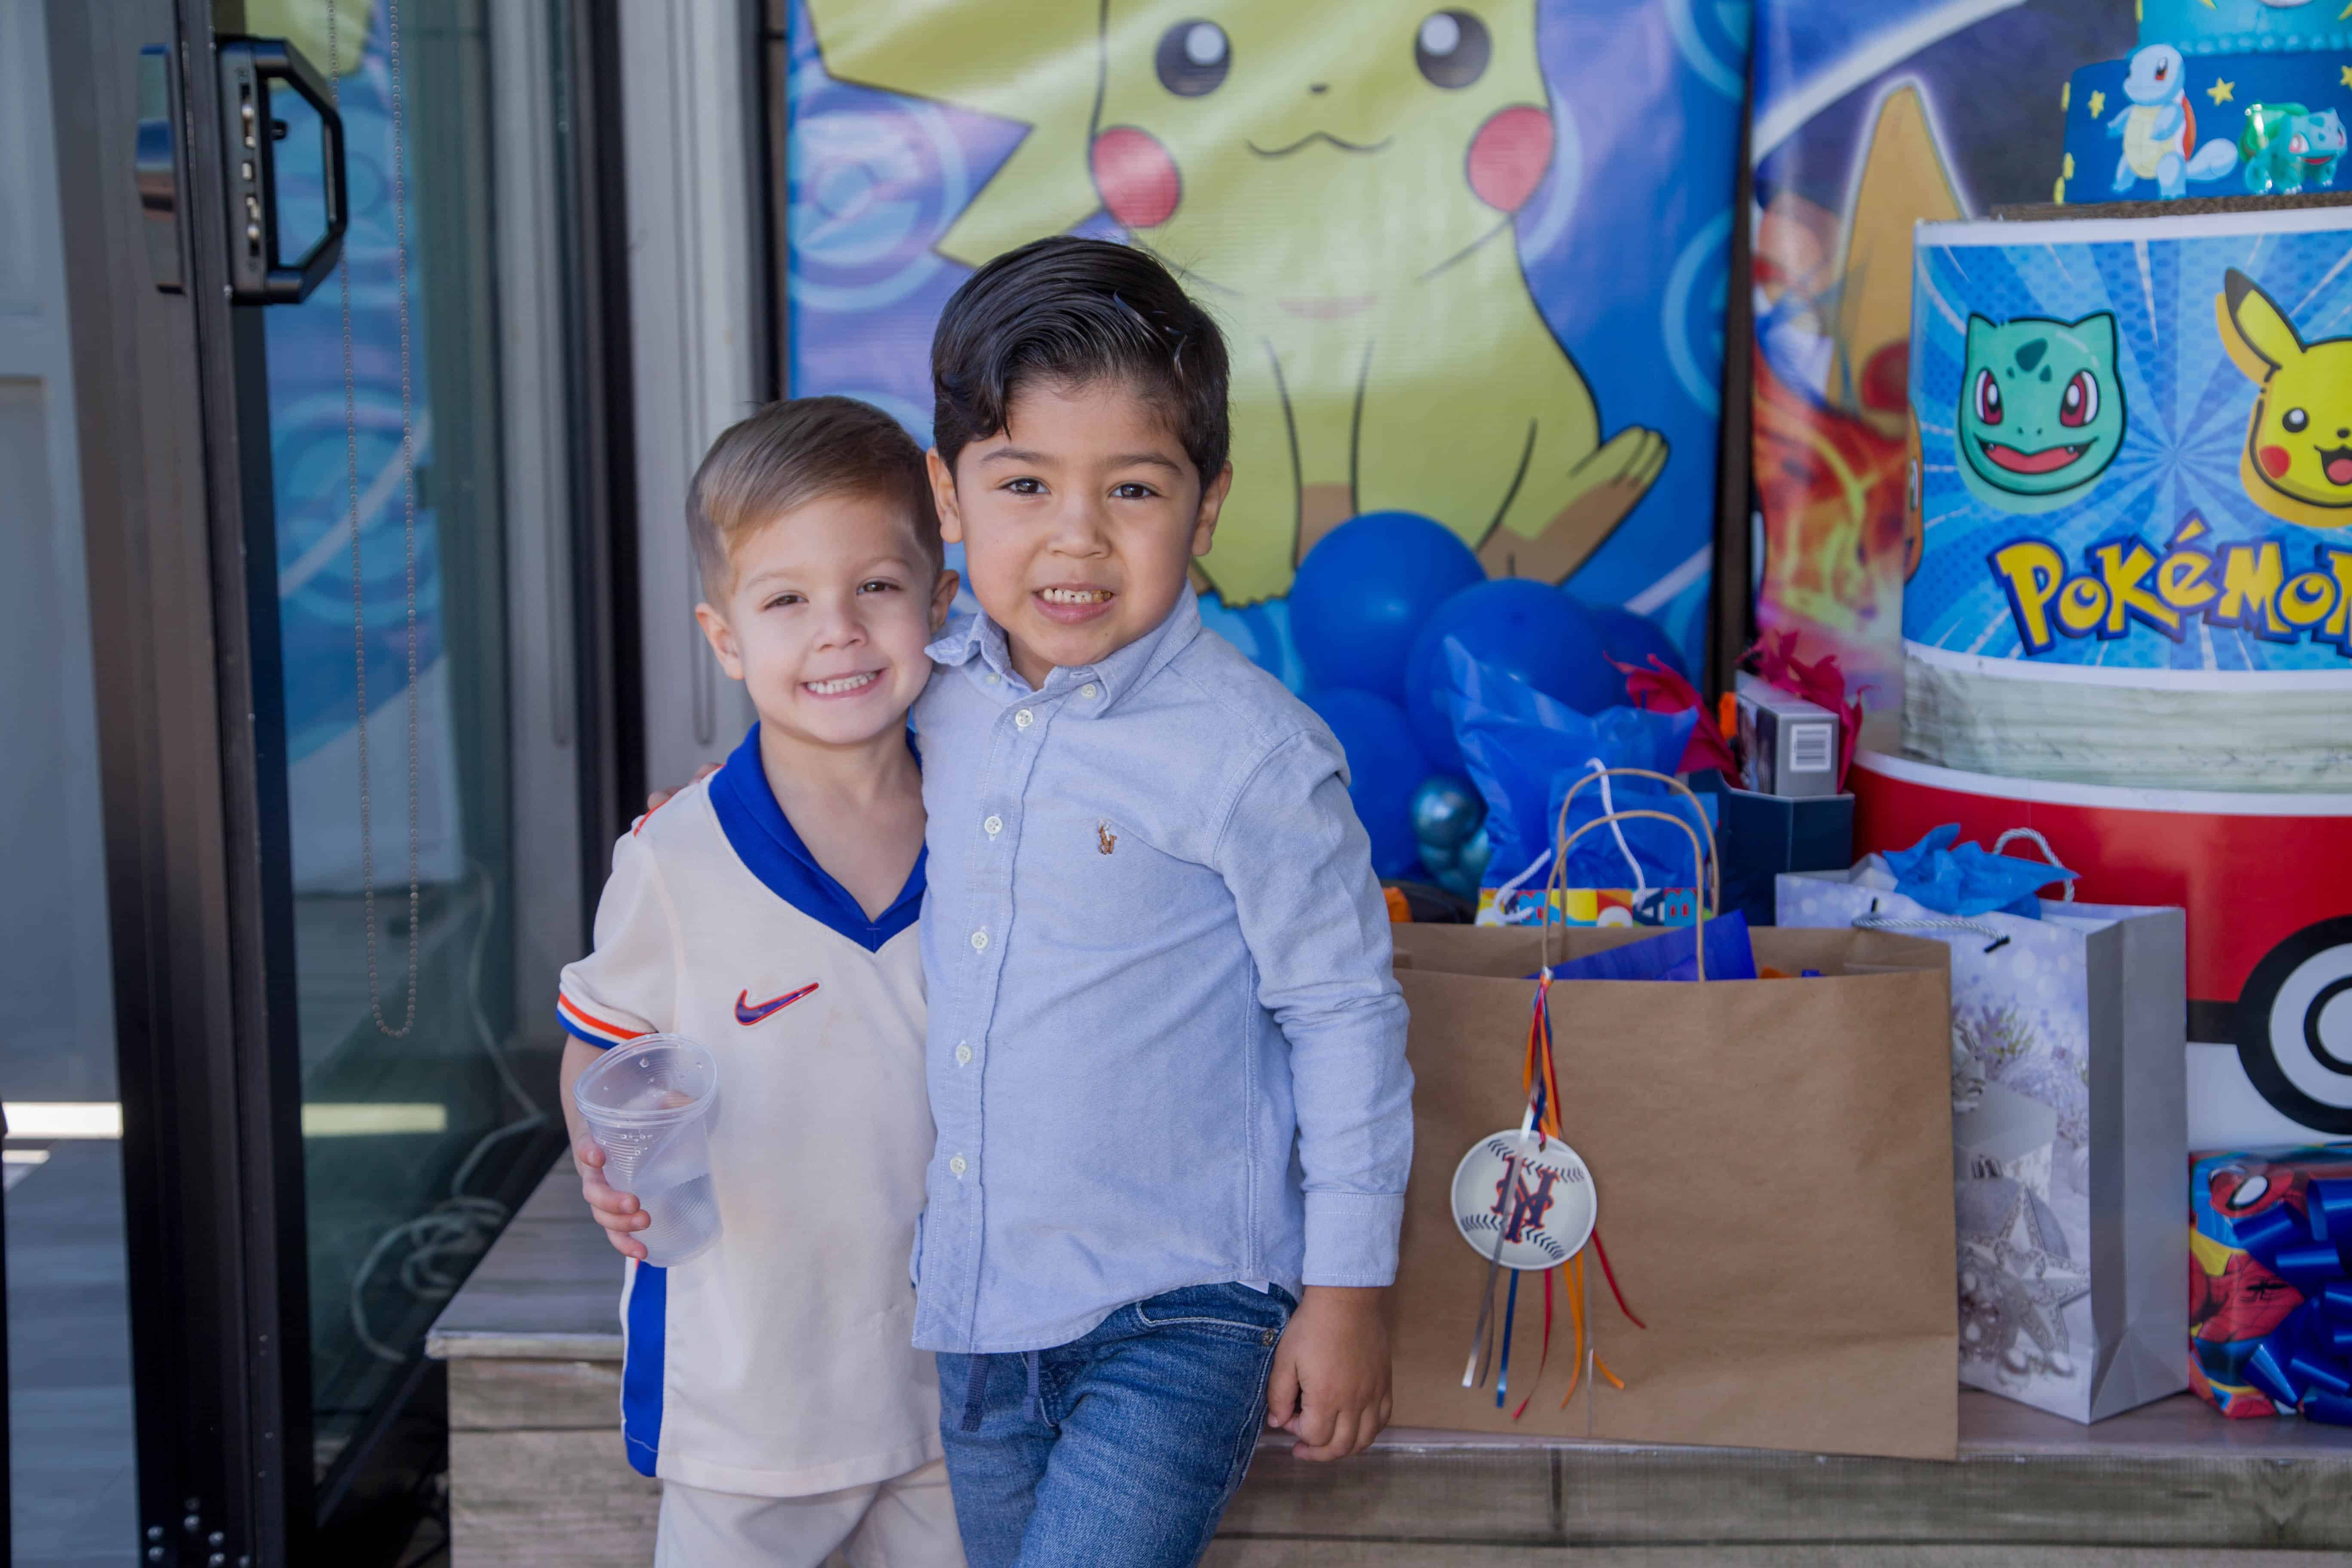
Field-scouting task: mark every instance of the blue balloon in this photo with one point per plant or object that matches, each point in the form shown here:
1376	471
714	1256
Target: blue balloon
1366	589
1445	812
1632	638
1521	628
1384	766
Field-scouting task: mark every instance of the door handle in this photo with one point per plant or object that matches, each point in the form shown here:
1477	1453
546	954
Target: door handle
249	69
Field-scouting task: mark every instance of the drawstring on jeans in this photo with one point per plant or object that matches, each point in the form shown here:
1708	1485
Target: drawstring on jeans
975	1391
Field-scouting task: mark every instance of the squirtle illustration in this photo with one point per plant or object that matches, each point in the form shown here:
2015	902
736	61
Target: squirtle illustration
2159	129
1337	184
2042	412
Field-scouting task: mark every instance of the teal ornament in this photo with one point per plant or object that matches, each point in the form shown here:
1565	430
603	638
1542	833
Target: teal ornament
1446	812
1474	857
1466	867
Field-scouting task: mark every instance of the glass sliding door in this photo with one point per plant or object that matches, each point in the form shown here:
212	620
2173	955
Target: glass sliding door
415	548
71	1480
352	696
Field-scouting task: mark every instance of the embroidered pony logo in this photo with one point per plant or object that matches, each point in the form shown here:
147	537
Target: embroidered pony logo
1105	839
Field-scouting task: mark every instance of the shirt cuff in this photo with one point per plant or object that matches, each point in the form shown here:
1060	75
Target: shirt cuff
1352	1238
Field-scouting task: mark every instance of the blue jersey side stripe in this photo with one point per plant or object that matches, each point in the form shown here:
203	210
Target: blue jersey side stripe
641	1371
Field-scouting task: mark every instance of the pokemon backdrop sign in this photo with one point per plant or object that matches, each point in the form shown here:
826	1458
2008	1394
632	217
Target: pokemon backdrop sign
2135	442
1471	258
1870	116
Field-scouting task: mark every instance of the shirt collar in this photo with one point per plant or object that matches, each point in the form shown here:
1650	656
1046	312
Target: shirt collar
1123	670
764	840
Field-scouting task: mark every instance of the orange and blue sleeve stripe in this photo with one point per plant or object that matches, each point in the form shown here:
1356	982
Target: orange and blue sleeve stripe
596	1031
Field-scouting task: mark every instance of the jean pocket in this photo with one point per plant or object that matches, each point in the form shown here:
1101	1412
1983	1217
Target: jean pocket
1233	1311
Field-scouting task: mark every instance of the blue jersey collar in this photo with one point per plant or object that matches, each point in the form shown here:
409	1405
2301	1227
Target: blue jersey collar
764	839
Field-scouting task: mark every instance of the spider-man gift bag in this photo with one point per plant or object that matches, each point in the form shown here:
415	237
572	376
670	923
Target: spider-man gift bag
2269	1298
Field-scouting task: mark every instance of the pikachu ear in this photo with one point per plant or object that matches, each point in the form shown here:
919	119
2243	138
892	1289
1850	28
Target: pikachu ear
2255	331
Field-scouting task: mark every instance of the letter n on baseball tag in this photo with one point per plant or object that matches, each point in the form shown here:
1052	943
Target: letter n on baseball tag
1524	1200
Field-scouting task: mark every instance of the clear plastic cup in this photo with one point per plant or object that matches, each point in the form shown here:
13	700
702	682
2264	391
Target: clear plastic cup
650	1105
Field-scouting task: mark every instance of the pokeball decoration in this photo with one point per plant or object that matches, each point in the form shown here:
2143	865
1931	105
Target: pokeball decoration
1524	1200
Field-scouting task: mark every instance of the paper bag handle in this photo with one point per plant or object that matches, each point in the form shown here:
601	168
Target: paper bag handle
1710	873
1707	871
2036	838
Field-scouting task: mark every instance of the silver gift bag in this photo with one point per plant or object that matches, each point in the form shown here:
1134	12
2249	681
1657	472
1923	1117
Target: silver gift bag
2069	1130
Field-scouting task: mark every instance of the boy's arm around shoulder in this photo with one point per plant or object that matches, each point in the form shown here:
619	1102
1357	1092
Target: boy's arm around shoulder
625	988
1299	867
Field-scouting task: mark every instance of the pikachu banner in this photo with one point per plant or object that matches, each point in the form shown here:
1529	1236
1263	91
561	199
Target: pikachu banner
1471	258
2135	442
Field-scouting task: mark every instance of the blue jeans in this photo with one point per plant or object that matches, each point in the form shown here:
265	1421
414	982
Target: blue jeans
1118	1450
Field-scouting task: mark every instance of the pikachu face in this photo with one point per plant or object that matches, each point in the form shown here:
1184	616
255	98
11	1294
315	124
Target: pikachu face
2297	464
1345	151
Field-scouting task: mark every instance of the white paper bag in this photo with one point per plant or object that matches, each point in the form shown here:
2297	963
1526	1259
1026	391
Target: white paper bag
2069	1117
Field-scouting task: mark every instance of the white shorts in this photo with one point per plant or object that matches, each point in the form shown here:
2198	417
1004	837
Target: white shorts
907	1521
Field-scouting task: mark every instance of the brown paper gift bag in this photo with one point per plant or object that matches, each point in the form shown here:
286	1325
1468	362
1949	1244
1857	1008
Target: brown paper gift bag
1773	1165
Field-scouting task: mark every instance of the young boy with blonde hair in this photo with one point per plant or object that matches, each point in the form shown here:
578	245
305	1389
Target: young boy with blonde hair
768	912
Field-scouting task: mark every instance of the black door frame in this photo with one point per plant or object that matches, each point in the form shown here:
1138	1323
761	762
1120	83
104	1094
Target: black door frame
172	407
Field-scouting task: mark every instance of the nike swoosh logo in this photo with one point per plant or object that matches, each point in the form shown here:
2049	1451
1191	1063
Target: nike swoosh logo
748	1012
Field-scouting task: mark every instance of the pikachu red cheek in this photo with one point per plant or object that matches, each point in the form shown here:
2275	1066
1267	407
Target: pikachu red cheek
1508	157
1136	178
2275	461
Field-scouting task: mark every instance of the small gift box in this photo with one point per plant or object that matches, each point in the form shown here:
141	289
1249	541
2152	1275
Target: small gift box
2269	1283
1588	906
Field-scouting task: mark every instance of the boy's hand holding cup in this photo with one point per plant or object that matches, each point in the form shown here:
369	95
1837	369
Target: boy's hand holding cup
618	1212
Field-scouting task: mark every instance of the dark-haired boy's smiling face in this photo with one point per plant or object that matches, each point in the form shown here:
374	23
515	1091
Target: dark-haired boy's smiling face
1078	521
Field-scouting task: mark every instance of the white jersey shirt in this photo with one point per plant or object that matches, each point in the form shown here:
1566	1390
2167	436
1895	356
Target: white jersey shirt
779	1362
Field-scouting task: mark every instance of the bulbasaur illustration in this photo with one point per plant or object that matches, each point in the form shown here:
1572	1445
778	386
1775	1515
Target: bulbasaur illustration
2159	129
2286	147
2042	411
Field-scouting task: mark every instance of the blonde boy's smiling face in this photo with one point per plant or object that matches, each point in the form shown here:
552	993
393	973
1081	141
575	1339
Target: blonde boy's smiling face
1078	522
826	617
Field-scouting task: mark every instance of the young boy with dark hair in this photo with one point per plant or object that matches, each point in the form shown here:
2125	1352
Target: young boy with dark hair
768	912
1166	1050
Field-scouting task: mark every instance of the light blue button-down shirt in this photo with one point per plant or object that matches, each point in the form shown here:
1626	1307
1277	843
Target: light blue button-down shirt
1166	1045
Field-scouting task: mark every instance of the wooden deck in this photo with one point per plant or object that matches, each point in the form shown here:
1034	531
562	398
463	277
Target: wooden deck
535	1473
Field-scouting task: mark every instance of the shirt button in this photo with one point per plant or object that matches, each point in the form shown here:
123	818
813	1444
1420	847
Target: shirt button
1091	690
1023	720
979	942
957	1167
995	825
963	1055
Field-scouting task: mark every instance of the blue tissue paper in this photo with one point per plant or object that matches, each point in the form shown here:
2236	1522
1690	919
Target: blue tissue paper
1673	954
1970	879
1523	749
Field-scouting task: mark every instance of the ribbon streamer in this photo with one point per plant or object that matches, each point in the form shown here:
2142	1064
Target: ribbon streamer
1540	1080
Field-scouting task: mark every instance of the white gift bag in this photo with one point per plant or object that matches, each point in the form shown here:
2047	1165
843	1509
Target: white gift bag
2069	1119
